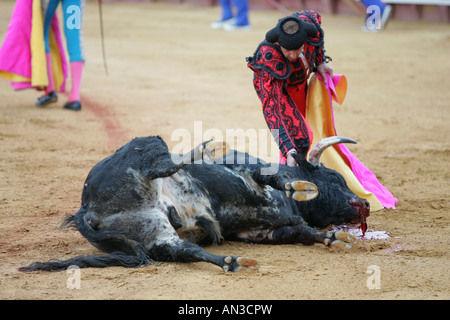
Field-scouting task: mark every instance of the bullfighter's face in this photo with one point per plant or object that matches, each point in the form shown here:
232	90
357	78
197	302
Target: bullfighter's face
292	55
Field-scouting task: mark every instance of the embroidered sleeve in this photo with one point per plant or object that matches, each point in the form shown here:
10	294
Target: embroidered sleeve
268	57
270	91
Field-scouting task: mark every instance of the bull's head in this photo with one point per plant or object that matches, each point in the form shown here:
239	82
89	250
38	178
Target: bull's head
336	203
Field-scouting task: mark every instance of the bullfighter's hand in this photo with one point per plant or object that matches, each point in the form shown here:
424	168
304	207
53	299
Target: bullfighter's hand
323	69
290	161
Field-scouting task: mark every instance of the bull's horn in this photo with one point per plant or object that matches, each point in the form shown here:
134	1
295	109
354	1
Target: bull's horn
319	148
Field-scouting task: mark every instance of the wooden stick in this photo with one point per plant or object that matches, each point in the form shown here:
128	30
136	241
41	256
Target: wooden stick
102	35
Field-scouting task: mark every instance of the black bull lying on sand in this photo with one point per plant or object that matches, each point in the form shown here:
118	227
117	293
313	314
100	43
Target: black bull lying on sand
140	205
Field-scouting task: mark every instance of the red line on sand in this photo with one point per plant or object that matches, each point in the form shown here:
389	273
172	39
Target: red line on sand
115	133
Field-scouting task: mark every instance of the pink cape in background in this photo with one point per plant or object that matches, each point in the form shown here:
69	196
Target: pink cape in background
23	46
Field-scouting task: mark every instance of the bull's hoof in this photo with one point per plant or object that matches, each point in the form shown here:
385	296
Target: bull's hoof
302	190
341	245
236	264
216	149
346	237
340	240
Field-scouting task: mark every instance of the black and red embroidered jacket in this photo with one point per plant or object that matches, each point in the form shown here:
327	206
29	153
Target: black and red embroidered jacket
281	87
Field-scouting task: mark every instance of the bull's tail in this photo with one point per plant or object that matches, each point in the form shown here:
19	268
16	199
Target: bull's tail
100	261
122	251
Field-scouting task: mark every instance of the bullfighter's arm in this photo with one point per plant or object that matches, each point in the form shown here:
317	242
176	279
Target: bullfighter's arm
270	92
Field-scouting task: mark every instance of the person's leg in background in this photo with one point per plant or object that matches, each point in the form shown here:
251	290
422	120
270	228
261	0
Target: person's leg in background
242	21
226	15
48	11
368	3
73	23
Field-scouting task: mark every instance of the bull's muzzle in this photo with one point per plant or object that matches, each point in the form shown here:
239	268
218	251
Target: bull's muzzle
362	208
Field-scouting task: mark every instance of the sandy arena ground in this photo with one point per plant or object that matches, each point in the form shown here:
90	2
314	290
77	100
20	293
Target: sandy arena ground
168	69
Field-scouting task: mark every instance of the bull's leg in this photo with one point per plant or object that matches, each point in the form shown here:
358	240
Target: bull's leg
299	234
299	190
178	250
160	241
168	164
211	148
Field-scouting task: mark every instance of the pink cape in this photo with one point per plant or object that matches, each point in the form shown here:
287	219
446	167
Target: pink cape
16	51
321	118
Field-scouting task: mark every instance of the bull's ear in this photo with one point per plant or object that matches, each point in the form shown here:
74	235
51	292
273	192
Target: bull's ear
301	160
208	150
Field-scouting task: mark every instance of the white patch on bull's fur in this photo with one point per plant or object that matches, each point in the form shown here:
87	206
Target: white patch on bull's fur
149	225
257	235
245	176
150	190
188	200
151	219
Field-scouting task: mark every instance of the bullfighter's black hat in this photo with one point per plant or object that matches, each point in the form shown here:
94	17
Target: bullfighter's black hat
291	32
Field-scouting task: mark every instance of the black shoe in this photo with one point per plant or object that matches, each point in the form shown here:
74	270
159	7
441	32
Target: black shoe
47	99
74	105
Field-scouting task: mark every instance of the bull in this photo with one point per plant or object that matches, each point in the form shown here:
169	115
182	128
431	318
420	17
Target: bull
139	205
